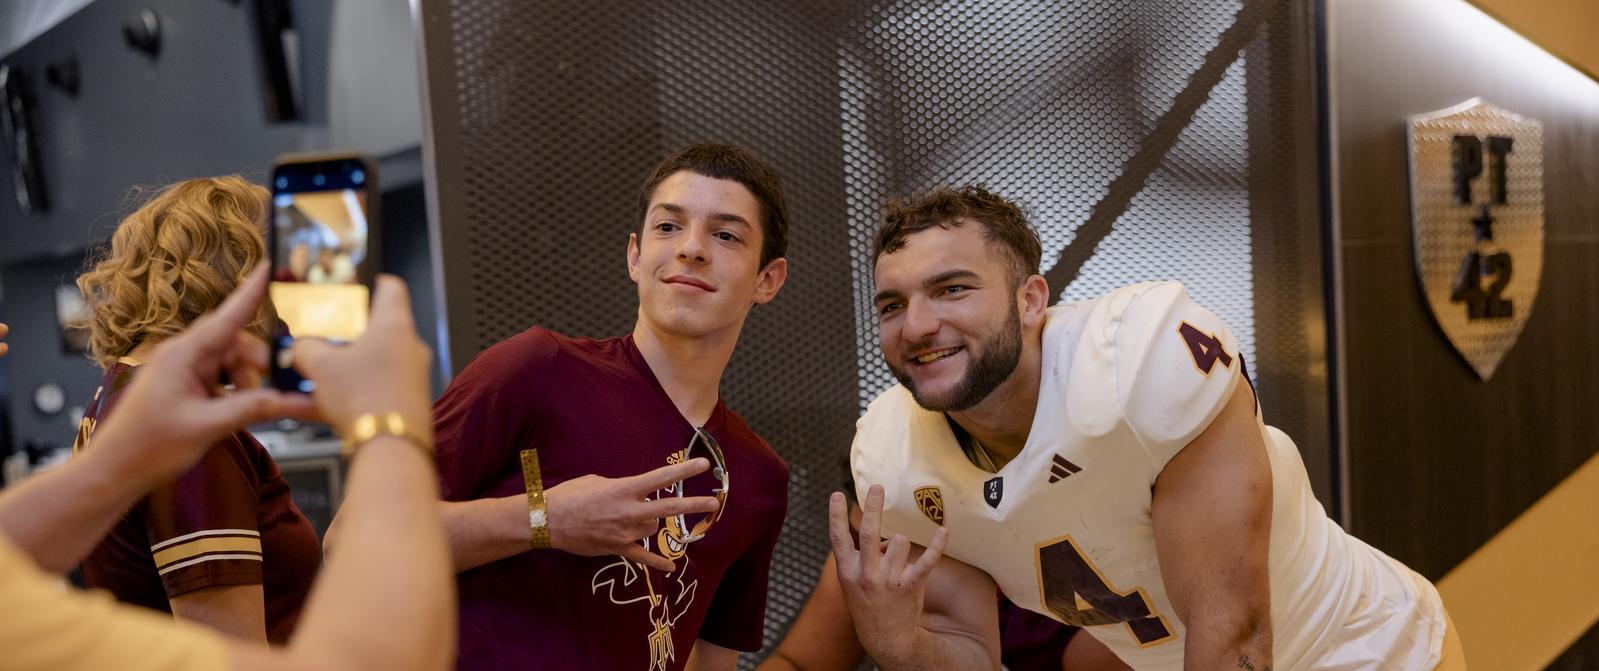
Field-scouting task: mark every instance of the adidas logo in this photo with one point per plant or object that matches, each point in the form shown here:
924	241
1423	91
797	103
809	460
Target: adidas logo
1062	469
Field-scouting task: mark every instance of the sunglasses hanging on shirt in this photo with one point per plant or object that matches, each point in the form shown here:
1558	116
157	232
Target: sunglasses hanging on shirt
696	525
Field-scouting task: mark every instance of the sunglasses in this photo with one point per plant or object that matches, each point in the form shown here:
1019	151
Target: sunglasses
695	526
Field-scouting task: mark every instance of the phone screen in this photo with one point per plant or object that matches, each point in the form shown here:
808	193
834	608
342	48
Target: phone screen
322	261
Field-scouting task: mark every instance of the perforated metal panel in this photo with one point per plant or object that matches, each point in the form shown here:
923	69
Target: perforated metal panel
1137	129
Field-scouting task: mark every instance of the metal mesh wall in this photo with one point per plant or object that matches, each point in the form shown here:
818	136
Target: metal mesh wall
1124	127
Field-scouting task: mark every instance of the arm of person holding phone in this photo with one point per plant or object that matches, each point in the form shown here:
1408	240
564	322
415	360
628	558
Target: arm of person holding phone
367	611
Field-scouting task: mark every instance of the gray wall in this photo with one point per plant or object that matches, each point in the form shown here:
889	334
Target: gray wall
195	110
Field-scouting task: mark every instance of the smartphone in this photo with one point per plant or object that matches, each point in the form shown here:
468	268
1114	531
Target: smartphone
324	240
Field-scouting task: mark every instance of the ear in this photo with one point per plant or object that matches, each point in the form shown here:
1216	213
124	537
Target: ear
772	279
633	271
1032	298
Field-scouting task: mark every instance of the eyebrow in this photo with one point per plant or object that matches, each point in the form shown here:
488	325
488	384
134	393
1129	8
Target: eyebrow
727	217
941	278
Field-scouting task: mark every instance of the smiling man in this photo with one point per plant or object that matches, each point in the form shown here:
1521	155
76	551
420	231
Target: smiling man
1102	462
564	561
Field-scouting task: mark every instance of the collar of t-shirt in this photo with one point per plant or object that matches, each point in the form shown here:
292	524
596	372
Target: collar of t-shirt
718	414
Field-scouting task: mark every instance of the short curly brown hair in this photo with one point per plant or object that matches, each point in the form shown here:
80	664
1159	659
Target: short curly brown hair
1004	224
175	258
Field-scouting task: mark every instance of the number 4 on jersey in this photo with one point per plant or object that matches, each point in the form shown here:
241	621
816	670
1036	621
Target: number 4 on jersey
1206	348
1076	592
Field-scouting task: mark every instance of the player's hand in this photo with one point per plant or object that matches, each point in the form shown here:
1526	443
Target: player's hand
385	370
4	347
596	516
882	588
174	411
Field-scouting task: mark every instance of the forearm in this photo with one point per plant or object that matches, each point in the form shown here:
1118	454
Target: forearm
779	662
58	516
938	650
486	530
391	537
238	611
1240	642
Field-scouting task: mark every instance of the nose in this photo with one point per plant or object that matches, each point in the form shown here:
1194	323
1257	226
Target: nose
920	323
691	246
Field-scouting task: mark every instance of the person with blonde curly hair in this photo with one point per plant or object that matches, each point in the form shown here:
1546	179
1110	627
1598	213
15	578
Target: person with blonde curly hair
223	544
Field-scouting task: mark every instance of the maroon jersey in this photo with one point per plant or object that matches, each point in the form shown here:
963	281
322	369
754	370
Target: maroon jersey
227	521
594	407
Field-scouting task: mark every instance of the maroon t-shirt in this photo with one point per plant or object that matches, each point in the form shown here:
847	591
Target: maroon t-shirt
594	407
230	520
1029	641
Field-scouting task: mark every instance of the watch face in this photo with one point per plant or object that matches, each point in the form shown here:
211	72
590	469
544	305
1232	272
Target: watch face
49	398
535	518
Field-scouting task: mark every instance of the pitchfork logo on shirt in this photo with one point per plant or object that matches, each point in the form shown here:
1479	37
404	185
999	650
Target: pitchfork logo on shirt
668	595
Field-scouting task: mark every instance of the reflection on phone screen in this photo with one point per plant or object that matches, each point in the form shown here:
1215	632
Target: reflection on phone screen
321	239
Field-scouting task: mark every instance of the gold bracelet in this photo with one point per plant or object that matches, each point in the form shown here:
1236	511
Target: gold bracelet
370	426
537	517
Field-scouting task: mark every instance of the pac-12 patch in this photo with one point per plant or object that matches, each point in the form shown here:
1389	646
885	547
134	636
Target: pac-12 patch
931	501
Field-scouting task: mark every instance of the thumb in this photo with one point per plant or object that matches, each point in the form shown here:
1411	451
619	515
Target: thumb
639	554
234	411
310	356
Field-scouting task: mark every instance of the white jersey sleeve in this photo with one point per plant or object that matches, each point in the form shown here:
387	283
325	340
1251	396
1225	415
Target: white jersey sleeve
1174	363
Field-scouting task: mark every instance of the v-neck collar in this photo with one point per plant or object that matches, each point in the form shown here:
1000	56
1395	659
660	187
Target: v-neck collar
636	357
950	456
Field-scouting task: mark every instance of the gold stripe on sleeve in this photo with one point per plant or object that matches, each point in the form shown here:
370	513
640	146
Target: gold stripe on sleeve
200	546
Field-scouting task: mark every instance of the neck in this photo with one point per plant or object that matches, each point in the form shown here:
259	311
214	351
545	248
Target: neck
688	368
1002	422
142	352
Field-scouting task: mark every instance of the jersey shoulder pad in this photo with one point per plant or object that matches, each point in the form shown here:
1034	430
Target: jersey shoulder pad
1168	364
879	448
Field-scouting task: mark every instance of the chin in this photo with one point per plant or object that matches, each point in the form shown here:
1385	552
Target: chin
682	325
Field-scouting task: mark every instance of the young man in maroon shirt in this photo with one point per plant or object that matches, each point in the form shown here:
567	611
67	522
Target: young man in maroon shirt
618	589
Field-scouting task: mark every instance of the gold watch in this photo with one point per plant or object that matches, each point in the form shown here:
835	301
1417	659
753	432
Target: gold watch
537	517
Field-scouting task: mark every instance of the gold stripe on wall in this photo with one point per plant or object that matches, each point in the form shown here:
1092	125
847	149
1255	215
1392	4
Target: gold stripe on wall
1564	28
1532	590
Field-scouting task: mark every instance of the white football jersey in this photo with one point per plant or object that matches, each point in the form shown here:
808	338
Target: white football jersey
1065	529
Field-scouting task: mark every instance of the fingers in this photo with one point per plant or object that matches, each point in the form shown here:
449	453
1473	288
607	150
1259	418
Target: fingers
898	549
309	354
391	306
214	332
924	565
871	527
639	554
246	361
838	532
671	505
666	475
248	406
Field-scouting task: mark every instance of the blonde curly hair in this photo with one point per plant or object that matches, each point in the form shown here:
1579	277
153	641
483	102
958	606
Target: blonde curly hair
175	258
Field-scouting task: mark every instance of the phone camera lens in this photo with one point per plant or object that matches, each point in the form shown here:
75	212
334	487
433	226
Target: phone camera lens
357	176
319	180
282	182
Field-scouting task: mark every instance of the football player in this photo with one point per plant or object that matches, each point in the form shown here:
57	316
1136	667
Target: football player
1103	462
